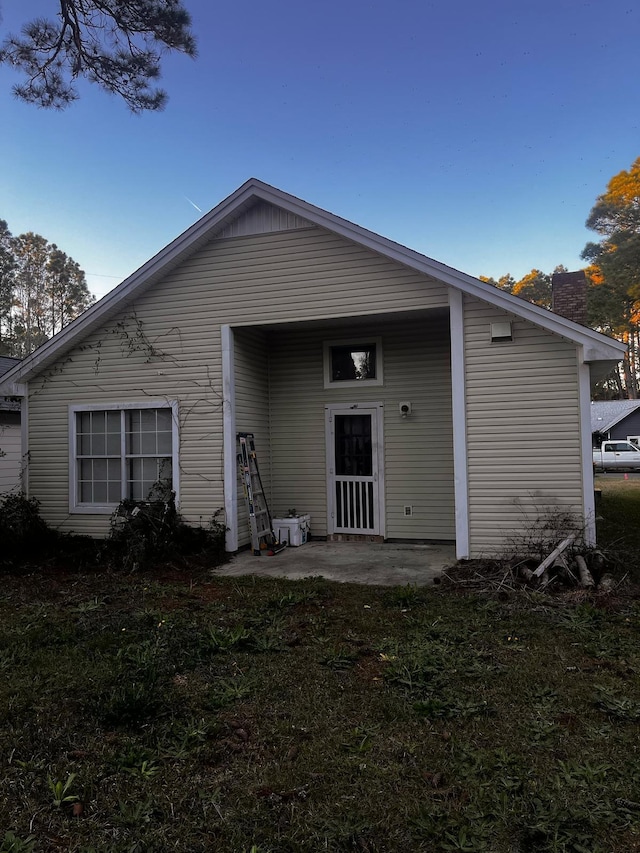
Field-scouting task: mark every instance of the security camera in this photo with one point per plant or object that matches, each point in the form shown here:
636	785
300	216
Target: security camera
405	409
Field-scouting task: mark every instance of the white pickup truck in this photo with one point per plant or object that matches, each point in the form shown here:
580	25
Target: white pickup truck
617	456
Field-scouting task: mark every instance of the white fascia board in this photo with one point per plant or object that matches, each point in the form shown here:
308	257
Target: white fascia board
602	351
12	389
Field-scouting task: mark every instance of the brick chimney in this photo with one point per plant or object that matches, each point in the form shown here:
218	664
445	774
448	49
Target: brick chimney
569	295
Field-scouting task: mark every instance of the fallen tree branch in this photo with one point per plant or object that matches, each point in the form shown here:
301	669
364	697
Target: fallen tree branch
553	555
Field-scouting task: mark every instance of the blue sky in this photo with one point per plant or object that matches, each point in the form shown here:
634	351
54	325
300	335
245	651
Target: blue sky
477	133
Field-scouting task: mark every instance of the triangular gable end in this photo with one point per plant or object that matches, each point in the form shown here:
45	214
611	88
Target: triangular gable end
256	208
262	218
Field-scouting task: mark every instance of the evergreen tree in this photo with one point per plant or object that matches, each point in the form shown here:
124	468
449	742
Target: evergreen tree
41	290
114	44
7	270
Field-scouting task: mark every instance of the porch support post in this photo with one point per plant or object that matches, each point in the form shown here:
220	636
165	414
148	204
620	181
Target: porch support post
24	442
229	439
589	500
459	411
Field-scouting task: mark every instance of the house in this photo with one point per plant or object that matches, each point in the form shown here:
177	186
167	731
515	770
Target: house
615	419
10	436
390	395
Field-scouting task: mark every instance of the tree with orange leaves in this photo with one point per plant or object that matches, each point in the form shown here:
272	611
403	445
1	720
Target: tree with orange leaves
614	303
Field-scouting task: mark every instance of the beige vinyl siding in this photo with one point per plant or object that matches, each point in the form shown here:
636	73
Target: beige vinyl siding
523	427
296	275
262	218
10	445
252	410
117	365
167	345
418	449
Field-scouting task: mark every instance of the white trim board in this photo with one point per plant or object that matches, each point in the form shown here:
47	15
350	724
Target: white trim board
459	416
229	439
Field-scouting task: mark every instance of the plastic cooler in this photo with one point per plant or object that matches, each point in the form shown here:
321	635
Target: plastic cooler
294	531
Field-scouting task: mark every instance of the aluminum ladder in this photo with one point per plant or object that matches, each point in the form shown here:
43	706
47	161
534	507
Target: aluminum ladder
263	539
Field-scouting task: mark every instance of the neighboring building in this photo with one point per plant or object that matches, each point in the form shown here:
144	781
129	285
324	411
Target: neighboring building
615	419
390	395
10	435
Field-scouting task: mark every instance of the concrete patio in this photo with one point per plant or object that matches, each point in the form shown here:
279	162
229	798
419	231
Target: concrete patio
349	562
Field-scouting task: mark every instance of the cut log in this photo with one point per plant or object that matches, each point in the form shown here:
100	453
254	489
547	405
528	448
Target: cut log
549	561
525	574
586	578
563	569
607	583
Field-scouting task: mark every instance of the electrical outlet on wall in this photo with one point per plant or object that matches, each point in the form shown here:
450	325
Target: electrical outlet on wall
408	510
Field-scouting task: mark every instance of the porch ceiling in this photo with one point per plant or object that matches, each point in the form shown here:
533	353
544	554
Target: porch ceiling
352	322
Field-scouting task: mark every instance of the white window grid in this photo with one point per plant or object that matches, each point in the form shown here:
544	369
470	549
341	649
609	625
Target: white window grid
126	472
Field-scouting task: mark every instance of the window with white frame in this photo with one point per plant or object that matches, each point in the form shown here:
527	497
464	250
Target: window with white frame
122	452
353	362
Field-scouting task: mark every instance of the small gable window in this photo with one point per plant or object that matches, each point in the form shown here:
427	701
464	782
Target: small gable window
352	363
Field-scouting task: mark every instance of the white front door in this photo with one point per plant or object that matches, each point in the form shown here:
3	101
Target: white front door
355	487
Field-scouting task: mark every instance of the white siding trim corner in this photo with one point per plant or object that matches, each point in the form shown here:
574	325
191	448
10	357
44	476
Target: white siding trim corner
589	501
459	414
229	439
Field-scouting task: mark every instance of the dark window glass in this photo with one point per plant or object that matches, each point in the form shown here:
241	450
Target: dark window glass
353	445
349	363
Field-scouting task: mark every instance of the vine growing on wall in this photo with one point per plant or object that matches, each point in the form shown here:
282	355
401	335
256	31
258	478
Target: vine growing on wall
134	341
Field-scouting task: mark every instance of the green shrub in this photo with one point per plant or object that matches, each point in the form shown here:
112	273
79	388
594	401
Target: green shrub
23	533
26	538
144	533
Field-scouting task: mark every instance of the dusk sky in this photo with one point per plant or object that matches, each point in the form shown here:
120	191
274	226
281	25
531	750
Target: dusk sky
477	133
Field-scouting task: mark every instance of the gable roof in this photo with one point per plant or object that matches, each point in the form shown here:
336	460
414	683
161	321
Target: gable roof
607	414
597	347
7	362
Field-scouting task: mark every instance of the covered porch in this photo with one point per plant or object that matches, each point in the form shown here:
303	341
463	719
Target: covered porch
368	457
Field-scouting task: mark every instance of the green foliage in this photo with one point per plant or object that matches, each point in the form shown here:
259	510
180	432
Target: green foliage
619	524
534	287
61	791
616	261
145	533
27	538
505	282
23	533
116	45
113	679
131	705
41	291
11	843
